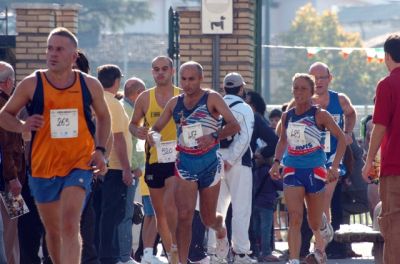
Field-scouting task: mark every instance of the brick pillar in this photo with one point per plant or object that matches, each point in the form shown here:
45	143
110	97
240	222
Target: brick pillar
236	50
34	22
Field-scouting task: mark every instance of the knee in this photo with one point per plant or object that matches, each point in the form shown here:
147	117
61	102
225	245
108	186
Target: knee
69	228
185	216
295	219
314	224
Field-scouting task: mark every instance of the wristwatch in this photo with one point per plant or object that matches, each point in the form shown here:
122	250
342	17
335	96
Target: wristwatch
215	135
101	149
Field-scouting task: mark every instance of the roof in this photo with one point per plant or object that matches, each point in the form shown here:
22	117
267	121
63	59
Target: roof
369	13
138	48
378	41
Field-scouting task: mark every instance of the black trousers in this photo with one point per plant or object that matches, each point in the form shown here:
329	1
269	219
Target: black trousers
31	233
336	220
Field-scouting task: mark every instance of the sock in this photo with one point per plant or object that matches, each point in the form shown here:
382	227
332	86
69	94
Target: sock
148	251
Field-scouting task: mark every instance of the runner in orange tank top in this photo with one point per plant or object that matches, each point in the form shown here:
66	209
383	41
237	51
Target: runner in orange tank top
64	151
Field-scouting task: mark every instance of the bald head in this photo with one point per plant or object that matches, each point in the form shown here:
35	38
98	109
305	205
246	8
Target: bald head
192	64
133	87
320	66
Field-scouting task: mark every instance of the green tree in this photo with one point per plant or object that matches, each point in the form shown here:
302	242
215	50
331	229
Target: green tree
353	76
97	14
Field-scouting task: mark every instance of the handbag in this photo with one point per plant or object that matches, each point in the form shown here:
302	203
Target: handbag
138	213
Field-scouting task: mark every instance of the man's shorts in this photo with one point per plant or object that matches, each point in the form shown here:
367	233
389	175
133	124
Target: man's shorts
157	173
312	179
49	190
147	206
205	169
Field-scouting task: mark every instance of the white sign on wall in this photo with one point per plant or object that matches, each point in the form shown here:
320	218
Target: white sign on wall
217	16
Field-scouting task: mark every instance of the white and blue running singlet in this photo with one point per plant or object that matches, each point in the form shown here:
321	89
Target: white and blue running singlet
204	166
336	111
305	140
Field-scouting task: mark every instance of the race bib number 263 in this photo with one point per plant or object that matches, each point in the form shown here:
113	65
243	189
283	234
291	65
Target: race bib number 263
64	123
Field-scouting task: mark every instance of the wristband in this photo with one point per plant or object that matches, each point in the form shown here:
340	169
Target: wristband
277	160
102	149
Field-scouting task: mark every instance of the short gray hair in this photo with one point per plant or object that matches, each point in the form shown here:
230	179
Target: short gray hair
6	71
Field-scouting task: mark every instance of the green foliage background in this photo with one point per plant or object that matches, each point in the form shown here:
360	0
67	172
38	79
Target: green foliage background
96	14
353	76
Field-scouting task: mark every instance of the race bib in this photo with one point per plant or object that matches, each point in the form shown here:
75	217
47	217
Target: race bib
327	145
64	123
191	133
295	134
166	151
336	118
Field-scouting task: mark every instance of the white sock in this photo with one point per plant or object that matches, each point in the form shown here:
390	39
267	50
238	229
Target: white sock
148	251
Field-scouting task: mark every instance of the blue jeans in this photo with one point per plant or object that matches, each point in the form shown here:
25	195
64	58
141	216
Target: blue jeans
2	251
115	224
262	219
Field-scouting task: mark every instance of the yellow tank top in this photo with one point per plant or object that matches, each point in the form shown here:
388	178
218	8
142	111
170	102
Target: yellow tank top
153	113
65	142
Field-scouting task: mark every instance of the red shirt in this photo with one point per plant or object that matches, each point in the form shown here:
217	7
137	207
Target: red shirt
387	113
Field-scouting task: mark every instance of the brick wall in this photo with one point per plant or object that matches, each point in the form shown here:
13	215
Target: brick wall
33	24
236	50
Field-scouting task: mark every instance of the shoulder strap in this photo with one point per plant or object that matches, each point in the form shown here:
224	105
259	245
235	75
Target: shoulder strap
87	102
288	116
235	103
36	106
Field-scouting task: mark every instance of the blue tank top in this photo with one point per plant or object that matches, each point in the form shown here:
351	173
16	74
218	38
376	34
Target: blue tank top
190	121
305	140
336	111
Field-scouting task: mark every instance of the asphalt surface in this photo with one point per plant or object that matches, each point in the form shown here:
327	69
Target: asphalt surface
361	248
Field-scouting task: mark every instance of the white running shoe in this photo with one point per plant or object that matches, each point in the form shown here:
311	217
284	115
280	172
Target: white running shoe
205	260
222	248
244	258
215	260
293	261
326	230
317	257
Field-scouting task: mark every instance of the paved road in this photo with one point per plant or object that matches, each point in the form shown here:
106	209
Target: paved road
361	248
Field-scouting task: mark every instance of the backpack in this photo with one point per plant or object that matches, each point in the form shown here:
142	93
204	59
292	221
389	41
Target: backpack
225	143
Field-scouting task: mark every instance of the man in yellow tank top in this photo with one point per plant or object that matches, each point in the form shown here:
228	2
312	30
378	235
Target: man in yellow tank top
159	175
64	152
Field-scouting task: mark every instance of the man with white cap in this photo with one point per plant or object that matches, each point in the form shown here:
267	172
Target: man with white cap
236	185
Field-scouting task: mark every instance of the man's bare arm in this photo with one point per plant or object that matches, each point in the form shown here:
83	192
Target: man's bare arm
378	131
232	126
21	97
103	119
141	105
166	115
349	112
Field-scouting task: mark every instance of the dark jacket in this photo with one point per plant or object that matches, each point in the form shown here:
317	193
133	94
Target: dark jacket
12	162
265	194
264	188
263	131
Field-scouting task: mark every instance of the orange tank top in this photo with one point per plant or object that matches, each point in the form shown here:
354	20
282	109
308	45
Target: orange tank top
66	141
